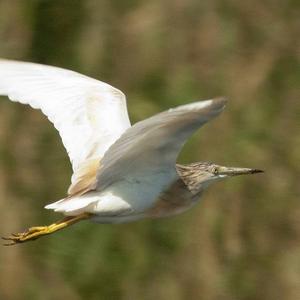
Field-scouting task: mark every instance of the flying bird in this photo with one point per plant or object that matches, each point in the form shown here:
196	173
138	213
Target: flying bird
121	173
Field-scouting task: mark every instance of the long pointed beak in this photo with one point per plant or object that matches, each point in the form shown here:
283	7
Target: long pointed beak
237	171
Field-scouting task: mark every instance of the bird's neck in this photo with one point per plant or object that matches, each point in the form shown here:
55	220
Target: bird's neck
190	176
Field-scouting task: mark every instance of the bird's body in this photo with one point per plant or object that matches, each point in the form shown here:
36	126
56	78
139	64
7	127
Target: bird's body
156	197
121	173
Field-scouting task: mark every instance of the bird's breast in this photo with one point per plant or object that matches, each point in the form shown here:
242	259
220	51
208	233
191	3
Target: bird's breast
132	195
174	200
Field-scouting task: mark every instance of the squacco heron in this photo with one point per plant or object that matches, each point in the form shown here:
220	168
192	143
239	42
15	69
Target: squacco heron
121	173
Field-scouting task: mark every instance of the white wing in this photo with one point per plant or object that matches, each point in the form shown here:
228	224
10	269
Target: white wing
89	114
153	145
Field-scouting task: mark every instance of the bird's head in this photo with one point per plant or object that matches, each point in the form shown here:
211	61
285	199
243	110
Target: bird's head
199	175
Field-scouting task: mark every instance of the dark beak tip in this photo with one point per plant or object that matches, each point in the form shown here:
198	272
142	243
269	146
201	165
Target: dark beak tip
254	171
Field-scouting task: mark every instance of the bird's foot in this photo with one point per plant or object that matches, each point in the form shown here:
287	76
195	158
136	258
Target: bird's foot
30	234
36	232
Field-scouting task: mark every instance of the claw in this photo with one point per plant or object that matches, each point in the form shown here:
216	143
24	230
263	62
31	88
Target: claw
16	234
36	232
17	238
12	240
9	244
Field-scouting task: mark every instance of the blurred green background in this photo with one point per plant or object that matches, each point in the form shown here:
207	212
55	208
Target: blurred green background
243	240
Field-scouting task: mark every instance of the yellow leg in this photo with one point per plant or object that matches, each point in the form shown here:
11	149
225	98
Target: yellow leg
36	232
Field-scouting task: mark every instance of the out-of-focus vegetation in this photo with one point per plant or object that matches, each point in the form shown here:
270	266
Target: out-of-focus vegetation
243	240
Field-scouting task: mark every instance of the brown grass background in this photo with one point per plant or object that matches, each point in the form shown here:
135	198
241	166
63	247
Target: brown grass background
243	240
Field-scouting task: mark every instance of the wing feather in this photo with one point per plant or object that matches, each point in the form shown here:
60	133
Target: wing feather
89	114
152	146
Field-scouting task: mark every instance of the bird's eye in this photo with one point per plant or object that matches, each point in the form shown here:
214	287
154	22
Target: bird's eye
215	171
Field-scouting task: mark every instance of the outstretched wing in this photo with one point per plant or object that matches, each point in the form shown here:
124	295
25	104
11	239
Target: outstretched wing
152	146
89	114
146	153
